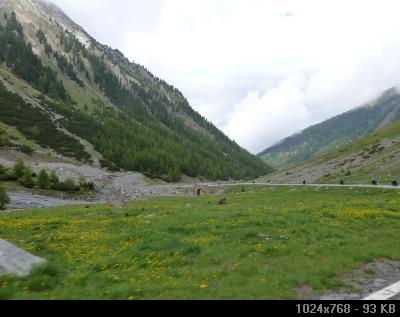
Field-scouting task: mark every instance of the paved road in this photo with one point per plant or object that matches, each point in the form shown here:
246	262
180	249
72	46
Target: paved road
301	185
25	200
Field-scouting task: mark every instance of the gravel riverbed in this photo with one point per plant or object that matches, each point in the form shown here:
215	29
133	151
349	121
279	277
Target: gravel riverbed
25	200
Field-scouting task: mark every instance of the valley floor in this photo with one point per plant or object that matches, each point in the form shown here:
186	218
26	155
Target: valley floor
266	243
115	188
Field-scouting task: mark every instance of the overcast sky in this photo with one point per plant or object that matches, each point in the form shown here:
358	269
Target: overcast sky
260	70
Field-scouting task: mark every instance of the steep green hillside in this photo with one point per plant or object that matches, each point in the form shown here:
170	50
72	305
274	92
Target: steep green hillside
375	156
53	71
335	132
36	124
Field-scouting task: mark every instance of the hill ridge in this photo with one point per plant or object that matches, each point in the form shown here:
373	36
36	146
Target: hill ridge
374	156
135	120
334	132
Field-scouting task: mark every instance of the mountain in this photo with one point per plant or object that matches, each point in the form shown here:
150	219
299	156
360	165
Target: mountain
374	156
63	93
335	132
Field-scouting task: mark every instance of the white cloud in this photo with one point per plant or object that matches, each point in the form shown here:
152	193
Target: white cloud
286	103
261	69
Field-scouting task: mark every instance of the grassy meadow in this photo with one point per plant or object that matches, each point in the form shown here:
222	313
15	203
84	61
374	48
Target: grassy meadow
264	244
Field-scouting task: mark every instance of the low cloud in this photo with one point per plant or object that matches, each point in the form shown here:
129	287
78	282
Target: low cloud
259	70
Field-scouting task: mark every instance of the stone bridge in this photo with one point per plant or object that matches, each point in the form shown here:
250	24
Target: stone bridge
202	190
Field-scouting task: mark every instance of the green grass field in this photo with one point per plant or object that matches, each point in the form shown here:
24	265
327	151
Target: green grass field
264	244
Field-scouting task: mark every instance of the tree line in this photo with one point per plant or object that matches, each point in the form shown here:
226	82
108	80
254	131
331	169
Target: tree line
144	132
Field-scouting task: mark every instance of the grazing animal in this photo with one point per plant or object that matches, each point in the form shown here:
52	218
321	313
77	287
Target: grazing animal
342	182
374	182
199	192
304	182
395	183
222	201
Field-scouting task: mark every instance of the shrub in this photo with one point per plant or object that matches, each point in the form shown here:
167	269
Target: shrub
19	169
54	178
43	180
109	165
4	198
70	185
4	140
89	186
67	186
26	149
8	177
26	180
3	170
82	181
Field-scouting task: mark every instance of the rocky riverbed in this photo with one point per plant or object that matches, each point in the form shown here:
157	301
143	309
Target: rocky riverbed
26	200
114	188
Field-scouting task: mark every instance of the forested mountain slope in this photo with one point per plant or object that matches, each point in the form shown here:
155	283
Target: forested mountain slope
335	132
374	156
56	78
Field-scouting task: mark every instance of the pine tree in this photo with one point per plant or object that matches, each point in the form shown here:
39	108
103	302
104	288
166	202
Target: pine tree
27	180
70	185
43	180
4	198
19	169
174	174
54	178
3	170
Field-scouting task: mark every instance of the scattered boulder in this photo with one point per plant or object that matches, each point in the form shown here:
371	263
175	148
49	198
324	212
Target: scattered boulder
264	236
222	201
15	261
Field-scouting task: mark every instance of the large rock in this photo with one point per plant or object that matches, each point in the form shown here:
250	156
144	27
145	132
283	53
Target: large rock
14	261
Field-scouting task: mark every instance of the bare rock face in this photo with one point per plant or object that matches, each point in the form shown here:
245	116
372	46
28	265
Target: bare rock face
14	261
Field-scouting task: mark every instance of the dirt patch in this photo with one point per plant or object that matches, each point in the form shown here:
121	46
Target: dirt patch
363	281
